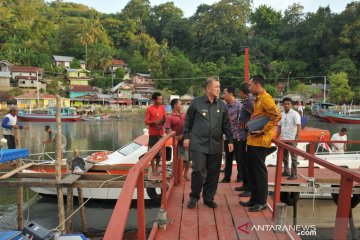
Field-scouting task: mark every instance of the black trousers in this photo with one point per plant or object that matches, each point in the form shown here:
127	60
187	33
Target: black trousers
10	141
244	161
205	174
229	157
258	174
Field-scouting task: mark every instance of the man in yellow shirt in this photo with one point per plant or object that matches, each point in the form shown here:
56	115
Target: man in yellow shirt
258	144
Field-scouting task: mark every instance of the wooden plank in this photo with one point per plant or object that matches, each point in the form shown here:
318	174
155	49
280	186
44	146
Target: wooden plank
224	223
258	219
207	224
16	170
240	218
174	212
71	178
189	222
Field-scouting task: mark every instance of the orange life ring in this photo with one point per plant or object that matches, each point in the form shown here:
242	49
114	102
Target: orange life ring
100	156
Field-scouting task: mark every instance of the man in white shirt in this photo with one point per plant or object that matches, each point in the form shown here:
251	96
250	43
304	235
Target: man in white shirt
289	129
341	136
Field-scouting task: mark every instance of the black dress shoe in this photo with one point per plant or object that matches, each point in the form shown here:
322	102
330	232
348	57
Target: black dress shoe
242	188
258	207
224	181
292	177
247	204
245	194
210	204
285	174
192	203
239	180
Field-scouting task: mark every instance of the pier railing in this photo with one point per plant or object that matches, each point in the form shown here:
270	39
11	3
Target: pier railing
346	182
135	179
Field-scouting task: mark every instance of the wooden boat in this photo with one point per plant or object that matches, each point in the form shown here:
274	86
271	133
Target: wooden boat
318	110
334	117
48	115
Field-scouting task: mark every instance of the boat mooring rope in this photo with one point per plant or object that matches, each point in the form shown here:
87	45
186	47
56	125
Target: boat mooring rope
115	178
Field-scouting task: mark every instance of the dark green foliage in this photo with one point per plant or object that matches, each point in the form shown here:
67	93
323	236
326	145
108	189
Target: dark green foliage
181	52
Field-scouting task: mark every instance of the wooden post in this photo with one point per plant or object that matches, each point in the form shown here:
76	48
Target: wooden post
82	210
69	203
19	190
58	161
69	209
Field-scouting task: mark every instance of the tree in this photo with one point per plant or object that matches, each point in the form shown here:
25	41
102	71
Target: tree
14	92
340	90
219	28
306	91
75	63
270	89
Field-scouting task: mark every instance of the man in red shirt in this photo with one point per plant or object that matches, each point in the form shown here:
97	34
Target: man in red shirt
175	122
155	117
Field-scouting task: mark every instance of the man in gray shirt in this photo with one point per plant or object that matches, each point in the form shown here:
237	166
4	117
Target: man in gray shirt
205	123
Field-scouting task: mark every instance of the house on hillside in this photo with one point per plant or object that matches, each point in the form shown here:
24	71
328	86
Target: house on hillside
5	66
6	100
118	63
78	76
280	87
143	84
82	90
93	99
30	78
186	99
122	93
5	81
64	61
29	100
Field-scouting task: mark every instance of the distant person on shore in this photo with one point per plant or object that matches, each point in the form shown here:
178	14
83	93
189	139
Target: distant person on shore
247	109
259	143
289	129
233	107
300	108
205	123
340	136
175	122
10	123
50	135
155	118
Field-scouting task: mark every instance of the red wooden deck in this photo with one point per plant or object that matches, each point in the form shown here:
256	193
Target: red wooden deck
229	221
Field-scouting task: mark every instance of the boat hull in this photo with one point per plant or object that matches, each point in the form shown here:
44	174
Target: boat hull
94	193
343	119
36	118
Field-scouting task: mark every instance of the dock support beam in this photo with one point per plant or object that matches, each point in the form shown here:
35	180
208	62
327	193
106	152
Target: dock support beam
60	196
82	211
19	189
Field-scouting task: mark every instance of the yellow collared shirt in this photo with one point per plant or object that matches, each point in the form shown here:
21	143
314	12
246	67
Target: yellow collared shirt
264	104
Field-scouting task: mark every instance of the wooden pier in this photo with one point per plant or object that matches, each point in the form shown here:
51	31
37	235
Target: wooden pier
229	220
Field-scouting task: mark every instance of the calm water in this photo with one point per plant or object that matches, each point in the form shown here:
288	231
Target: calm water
110	135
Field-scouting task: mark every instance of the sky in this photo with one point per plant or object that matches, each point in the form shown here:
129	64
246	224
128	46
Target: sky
189	6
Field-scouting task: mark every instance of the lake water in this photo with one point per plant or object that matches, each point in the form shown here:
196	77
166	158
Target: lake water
110	135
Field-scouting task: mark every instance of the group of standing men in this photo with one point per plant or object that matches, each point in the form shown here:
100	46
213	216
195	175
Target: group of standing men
202	129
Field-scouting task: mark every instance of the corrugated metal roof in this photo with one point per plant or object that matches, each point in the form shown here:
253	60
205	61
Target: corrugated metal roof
63	58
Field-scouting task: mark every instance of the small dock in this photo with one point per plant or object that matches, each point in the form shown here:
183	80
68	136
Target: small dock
229	220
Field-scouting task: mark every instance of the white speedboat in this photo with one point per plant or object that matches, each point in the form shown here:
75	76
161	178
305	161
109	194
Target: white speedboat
126	157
